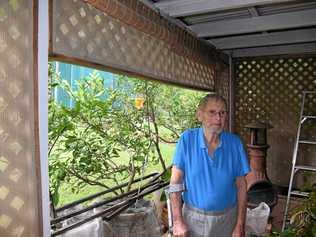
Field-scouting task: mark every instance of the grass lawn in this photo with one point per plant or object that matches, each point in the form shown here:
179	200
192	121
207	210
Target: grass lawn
67	196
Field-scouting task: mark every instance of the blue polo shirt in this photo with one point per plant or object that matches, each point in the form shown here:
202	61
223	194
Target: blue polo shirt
210	181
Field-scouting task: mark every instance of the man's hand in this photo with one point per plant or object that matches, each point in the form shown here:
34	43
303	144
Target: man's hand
239	231
179	229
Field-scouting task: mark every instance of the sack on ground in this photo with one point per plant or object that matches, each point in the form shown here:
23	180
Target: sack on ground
257	219
92	228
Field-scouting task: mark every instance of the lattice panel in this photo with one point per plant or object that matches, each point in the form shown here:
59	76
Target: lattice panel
270	90
18	183
82	32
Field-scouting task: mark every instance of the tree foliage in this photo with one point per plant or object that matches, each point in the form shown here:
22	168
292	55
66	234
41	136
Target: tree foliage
88	139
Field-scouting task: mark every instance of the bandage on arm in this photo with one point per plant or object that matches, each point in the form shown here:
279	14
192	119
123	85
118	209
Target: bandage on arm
174	188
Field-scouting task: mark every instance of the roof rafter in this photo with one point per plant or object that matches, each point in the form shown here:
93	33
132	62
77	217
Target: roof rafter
266	39
256	24
273	50
179	8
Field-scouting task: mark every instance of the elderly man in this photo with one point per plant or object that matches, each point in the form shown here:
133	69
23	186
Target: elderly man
208	186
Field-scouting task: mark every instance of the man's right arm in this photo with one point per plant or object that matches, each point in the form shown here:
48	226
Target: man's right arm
179	226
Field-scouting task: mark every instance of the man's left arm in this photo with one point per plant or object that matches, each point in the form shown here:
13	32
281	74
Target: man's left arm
239	230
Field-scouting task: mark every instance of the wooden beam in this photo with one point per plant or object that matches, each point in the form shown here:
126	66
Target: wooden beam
180	8
256	24
266	39
308	48
122	70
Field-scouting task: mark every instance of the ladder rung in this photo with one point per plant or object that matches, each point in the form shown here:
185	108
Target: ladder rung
309	117
305	167
307	142
299	193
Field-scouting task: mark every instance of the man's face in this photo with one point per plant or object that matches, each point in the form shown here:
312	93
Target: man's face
213	116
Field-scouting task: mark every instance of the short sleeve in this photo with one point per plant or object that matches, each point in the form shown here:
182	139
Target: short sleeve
243	164
179	155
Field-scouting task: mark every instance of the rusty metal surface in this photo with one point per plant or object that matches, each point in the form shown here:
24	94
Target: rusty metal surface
270	90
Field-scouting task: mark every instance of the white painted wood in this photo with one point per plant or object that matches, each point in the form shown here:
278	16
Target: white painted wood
43	38
256	24
258	40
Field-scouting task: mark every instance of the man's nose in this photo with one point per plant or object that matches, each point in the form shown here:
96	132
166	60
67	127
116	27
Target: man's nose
217	115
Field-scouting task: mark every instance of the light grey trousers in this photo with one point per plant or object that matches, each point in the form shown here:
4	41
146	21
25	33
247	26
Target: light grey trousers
209	224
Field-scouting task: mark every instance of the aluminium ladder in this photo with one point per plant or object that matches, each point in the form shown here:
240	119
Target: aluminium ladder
295	167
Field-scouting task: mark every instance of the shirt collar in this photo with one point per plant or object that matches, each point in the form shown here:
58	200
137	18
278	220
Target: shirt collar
202	140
